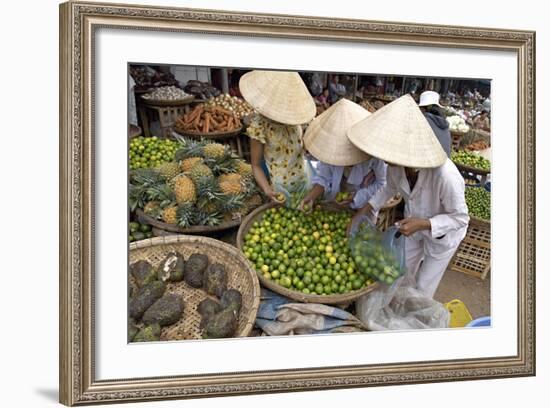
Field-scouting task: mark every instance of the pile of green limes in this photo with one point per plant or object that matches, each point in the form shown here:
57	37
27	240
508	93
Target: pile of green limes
304	252
147	152
471	159
479	202
139	231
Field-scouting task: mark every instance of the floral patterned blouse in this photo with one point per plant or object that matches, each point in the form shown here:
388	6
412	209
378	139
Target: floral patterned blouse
283	151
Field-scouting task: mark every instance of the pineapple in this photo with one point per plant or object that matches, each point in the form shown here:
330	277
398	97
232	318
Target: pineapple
169	170
152	208
185	215
214	151
184	189
231	183
254	201
187	164
243	168
188	148
200	171
169	215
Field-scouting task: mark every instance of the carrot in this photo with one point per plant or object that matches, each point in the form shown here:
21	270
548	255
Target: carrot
206	126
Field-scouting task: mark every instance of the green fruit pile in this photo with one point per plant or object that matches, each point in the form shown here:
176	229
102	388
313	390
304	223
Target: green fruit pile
471	159
308	253
139	231
371	258
147	152
342	196
478	201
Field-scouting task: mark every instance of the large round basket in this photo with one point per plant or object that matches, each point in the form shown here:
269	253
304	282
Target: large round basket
170	102
473	170
240	276
343	298
209	135
196	229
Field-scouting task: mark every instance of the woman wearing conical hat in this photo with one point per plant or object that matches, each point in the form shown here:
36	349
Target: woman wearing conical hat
283	103
436	215
343	168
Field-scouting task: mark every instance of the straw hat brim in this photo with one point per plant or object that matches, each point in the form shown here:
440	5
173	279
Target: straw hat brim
280	96
326	139
399	134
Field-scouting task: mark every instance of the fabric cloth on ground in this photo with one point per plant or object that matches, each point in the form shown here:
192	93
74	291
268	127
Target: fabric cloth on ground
278	315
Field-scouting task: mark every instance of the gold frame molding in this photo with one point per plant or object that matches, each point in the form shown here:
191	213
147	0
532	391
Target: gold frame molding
78	22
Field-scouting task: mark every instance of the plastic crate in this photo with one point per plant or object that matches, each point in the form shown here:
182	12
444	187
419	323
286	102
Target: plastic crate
473	256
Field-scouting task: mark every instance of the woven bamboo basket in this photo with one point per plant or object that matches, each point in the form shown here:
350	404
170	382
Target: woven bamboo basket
473	256
172	102
343	298
209	135
240	276
472	170
195	229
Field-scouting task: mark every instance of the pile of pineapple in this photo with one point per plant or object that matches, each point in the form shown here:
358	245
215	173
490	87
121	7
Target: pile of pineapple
206	184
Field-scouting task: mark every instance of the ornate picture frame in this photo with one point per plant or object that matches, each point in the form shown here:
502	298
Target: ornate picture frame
78	22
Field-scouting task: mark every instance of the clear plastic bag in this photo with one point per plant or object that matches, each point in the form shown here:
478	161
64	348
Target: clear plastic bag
379	256
293	198
400	307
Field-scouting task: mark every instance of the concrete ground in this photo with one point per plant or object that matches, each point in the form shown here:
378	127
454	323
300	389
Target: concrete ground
473	292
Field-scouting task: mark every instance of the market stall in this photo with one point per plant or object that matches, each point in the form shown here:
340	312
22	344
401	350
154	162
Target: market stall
194	191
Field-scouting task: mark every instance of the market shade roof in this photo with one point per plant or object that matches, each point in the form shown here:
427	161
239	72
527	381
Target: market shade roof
399	134
326	139
280	96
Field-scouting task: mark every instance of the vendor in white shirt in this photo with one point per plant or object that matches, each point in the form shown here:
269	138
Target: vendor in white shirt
342	167
436	215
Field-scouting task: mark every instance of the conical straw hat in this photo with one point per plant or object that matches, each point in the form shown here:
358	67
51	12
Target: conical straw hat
399	134
280	96
326	138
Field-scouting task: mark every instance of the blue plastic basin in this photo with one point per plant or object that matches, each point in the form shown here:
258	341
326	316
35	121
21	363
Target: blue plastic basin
480	322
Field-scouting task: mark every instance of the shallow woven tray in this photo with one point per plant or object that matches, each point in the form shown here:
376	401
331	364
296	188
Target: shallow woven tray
240	276
197	229
163	102
343	298
209	135
473	170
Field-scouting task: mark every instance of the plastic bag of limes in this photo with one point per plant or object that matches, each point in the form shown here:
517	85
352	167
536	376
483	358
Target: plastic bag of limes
380	256
292	199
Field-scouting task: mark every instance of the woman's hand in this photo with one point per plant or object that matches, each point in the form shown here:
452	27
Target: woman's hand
306	205
409	226
273	195
346	201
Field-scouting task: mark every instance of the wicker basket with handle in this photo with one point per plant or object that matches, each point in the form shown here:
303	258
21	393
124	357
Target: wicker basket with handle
338	299
240	275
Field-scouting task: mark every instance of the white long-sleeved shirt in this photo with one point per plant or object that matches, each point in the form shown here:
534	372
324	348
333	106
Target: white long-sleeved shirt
330	178
438	195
